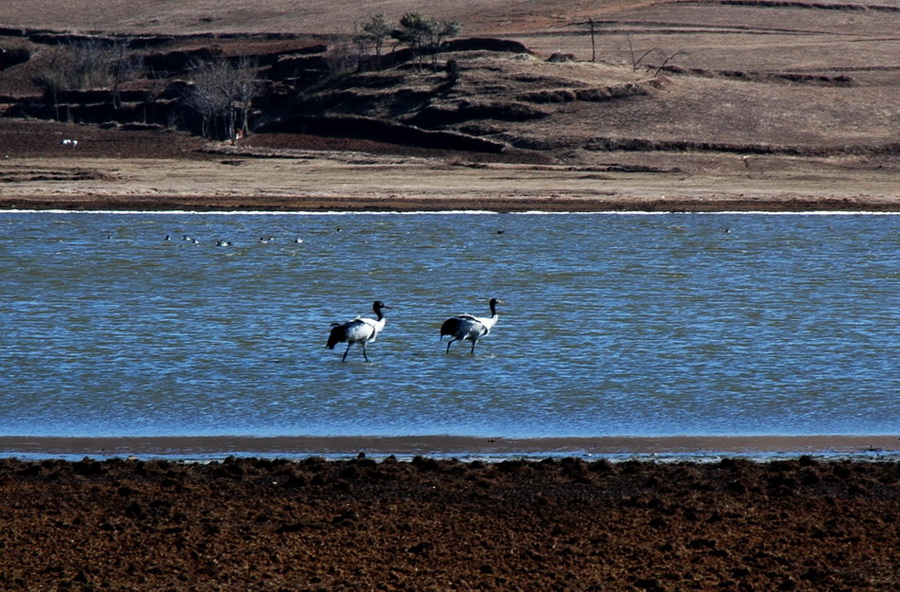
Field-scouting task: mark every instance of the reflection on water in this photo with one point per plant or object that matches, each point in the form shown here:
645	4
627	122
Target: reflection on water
615	324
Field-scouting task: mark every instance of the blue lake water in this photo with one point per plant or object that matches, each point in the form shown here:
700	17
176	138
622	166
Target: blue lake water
615	325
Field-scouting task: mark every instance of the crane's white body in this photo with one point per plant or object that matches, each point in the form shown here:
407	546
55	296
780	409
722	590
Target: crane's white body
360	330
466	327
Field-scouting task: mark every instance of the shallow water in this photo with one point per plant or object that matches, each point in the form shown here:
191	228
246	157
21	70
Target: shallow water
615	325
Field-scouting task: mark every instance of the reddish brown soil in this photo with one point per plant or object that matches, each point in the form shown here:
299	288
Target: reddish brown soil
42	139
248	524
31	139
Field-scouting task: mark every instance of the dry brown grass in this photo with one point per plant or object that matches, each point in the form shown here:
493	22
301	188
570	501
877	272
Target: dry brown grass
306	16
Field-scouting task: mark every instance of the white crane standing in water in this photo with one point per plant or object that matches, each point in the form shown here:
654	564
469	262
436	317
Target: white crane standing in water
468	327
360	330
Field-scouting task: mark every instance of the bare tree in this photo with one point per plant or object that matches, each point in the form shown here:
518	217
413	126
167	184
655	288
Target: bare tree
636	61
204	97
593	39
123	66
74	66
54	76
91	61
224	91
591	25
244	86
86	65
155	87
341	57
666	60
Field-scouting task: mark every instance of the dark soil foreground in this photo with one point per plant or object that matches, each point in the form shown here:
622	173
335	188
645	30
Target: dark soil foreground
251	524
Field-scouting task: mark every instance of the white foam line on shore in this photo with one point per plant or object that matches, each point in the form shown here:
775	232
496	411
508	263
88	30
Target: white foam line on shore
253	212
445	213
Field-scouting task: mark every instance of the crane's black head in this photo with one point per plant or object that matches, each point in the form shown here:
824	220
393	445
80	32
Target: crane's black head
494	303
378	305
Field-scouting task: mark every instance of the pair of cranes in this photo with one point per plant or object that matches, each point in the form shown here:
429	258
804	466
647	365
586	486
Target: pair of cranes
362	330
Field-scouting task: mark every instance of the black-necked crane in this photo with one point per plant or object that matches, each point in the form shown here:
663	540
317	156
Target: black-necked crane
469	327
360	330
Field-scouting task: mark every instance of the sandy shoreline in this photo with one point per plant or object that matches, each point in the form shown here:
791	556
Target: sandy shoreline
450	446
350	182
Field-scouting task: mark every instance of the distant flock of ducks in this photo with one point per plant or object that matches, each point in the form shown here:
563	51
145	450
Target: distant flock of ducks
263	240
363	330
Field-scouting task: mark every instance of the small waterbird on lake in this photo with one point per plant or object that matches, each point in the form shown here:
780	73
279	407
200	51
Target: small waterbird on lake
360	330
469	327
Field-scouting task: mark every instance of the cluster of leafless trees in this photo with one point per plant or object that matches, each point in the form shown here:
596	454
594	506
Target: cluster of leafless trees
220	91
88	65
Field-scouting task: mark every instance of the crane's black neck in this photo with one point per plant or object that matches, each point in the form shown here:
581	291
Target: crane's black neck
377	307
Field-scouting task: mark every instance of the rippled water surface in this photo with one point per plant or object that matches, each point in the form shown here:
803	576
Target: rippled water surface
639	325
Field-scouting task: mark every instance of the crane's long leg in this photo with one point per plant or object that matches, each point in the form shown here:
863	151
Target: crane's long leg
346	351
364	351
448	345
474	343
